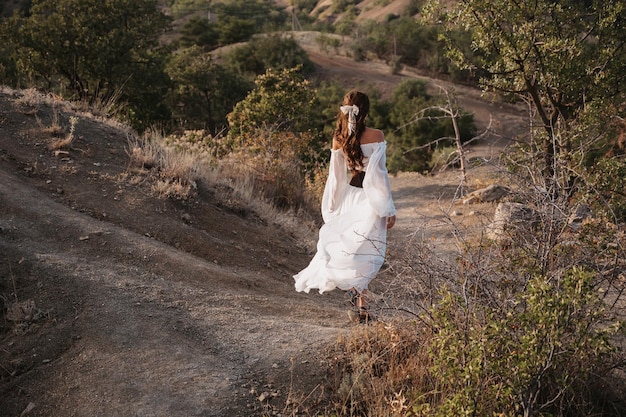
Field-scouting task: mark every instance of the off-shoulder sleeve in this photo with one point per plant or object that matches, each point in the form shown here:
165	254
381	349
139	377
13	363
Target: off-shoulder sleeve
376	183
335	184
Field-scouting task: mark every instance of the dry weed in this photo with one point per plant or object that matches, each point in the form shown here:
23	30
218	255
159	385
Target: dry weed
377	368
178	163
54	129
33	98
64	143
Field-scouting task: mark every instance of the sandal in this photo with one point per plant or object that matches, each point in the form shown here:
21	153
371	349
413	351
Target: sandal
362	313
353	296
365	316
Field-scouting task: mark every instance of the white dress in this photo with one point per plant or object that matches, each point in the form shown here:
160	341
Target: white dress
353	240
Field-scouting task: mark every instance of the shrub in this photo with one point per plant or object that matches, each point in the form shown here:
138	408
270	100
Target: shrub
415	124
275	134
203	92
272	51
536	353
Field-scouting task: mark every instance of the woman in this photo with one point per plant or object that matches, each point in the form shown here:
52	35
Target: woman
357	209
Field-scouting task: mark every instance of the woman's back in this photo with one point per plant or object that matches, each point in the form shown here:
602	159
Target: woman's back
371	136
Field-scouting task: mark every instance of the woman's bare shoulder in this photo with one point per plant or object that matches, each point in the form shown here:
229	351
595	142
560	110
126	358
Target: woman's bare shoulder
372	136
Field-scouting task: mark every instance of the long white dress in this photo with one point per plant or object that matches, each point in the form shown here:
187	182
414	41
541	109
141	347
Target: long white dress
353	240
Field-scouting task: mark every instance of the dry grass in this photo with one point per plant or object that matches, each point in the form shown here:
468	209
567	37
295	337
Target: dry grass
31	100
176	172
376	368
54	129
65	142
178	163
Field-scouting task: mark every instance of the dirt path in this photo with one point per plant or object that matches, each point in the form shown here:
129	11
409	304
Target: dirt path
124	304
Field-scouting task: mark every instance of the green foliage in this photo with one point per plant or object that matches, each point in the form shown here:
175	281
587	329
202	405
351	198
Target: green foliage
330	96
347	24
304	6
8	67
231	21
275	129
414	123
414	7
238	20
562	57
95	51
340	6
281	100
199	31
233	30
272	51
326	42
608	195
204	92
536	352
539	44
407	41
180	8
442	157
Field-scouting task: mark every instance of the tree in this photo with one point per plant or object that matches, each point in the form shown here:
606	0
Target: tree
204	92
95	50
563	57
199	31
274	51
281	101
275	133
419	124
238	20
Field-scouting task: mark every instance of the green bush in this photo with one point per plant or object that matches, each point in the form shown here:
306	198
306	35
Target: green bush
94	51
496	340
608	177
276	132
536	354
203	92
199	32
272	51
412	124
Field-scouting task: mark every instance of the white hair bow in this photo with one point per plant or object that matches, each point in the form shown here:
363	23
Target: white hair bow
352	112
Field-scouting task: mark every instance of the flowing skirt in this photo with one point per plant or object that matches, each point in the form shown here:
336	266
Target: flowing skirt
350	250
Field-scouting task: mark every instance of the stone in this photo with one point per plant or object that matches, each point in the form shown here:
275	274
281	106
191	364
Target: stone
491	193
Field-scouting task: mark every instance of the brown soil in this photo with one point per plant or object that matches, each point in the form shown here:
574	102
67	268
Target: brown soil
136	305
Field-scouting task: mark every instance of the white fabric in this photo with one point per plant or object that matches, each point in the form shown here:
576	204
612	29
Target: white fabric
352	112
352	242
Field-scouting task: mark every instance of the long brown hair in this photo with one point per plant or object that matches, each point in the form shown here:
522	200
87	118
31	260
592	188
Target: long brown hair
350	141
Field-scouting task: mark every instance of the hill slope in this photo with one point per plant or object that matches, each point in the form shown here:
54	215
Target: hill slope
145	306
121	303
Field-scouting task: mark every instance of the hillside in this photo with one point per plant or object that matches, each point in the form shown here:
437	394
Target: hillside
147	306
122	303
367	9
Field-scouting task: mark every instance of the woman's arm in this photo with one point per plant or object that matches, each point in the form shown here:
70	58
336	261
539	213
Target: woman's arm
376	184
336	184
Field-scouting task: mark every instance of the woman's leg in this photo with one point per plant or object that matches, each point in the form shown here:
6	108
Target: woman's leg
359	300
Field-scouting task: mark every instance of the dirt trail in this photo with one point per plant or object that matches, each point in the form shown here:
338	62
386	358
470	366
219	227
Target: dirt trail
153	307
